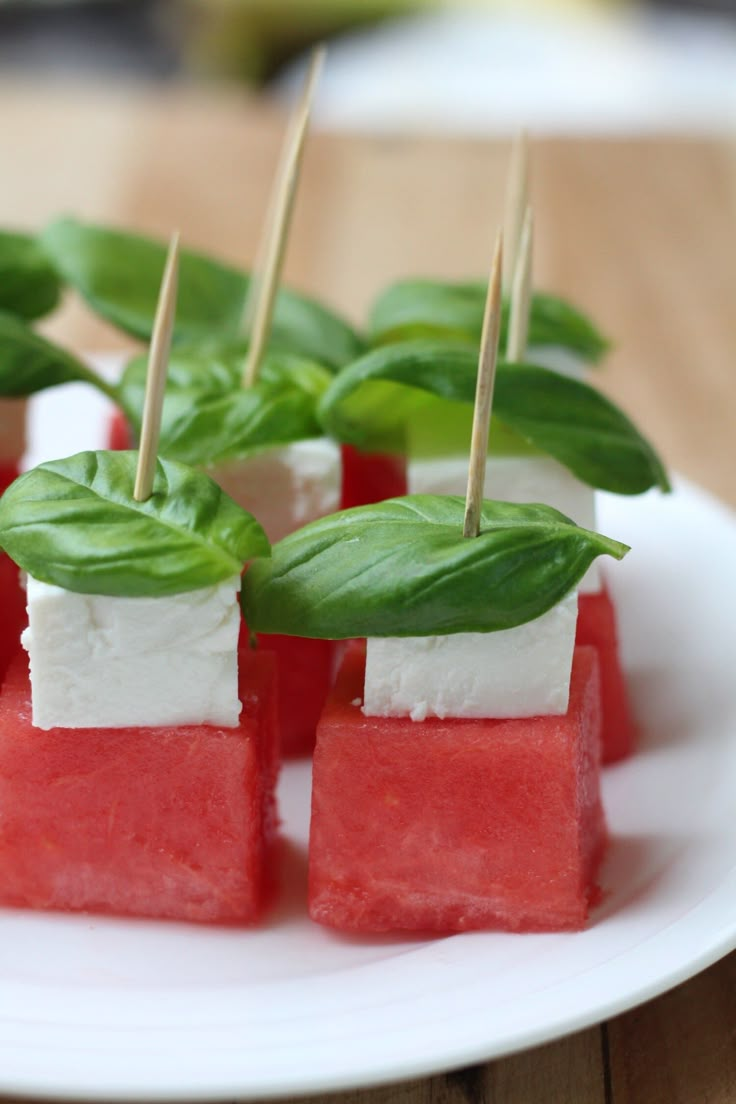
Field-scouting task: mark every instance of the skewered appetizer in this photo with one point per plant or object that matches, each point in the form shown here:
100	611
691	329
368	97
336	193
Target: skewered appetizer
553	439
137	765
264	444
456	773
138	762
427	814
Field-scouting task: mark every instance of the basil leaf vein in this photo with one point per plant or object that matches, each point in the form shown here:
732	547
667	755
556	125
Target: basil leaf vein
208	417
384	398
74	523
403	568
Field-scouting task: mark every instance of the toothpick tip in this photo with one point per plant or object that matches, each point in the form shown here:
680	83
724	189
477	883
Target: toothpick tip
259	305
517	193
158	362
484	395
521	292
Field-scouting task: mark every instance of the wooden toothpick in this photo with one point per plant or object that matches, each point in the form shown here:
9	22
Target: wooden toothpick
521	293
484	396
517	201
259	304
158	363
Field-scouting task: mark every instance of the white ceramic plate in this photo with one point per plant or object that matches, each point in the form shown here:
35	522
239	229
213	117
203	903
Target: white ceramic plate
101	1008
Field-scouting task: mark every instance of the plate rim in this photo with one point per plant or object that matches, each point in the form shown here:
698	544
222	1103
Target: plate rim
668	976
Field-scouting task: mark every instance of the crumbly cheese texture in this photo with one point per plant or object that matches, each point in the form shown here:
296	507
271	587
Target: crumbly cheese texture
516	479
100	661
285	487
12	430
521	672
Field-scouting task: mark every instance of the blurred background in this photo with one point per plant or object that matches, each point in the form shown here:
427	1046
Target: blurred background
151	114
483	67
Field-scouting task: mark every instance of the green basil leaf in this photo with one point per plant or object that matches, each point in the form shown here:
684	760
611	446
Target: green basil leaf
580	427
215	429
403	568
377	402
118	274
29	363
215	369
75	523
29	284
414	309
209	418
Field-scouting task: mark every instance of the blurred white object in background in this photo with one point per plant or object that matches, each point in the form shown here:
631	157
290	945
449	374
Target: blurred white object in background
556	70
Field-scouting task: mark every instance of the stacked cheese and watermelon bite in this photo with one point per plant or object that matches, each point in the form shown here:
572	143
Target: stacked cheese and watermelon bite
138	759
262	443
456	773
553	439
544	331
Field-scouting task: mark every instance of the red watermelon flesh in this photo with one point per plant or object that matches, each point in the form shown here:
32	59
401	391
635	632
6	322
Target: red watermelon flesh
8	473
306	671
457	824
597	627
118	432
177	823
13	618
370	477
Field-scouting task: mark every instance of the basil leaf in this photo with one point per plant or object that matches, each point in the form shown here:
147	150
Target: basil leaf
414	309
215	429
580	427
29	363
403	568
208	417
118	274
215	369
74	523
29	285
378	401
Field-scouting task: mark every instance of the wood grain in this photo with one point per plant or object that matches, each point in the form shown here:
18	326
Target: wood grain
568	1072
680	1049
639	233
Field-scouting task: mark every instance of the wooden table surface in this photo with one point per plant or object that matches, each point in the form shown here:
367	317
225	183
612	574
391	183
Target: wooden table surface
639	233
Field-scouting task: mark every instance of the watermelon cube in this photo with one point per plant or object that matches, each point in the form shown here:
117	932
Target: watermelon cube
13	617
370	477
160	822
597	627
452	825
305	672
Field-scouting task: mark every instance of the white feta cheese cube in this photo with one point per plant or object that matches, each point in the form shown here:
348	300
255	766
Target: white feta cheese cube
284	488
516	479
558	359
521	672
12	430
112	662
